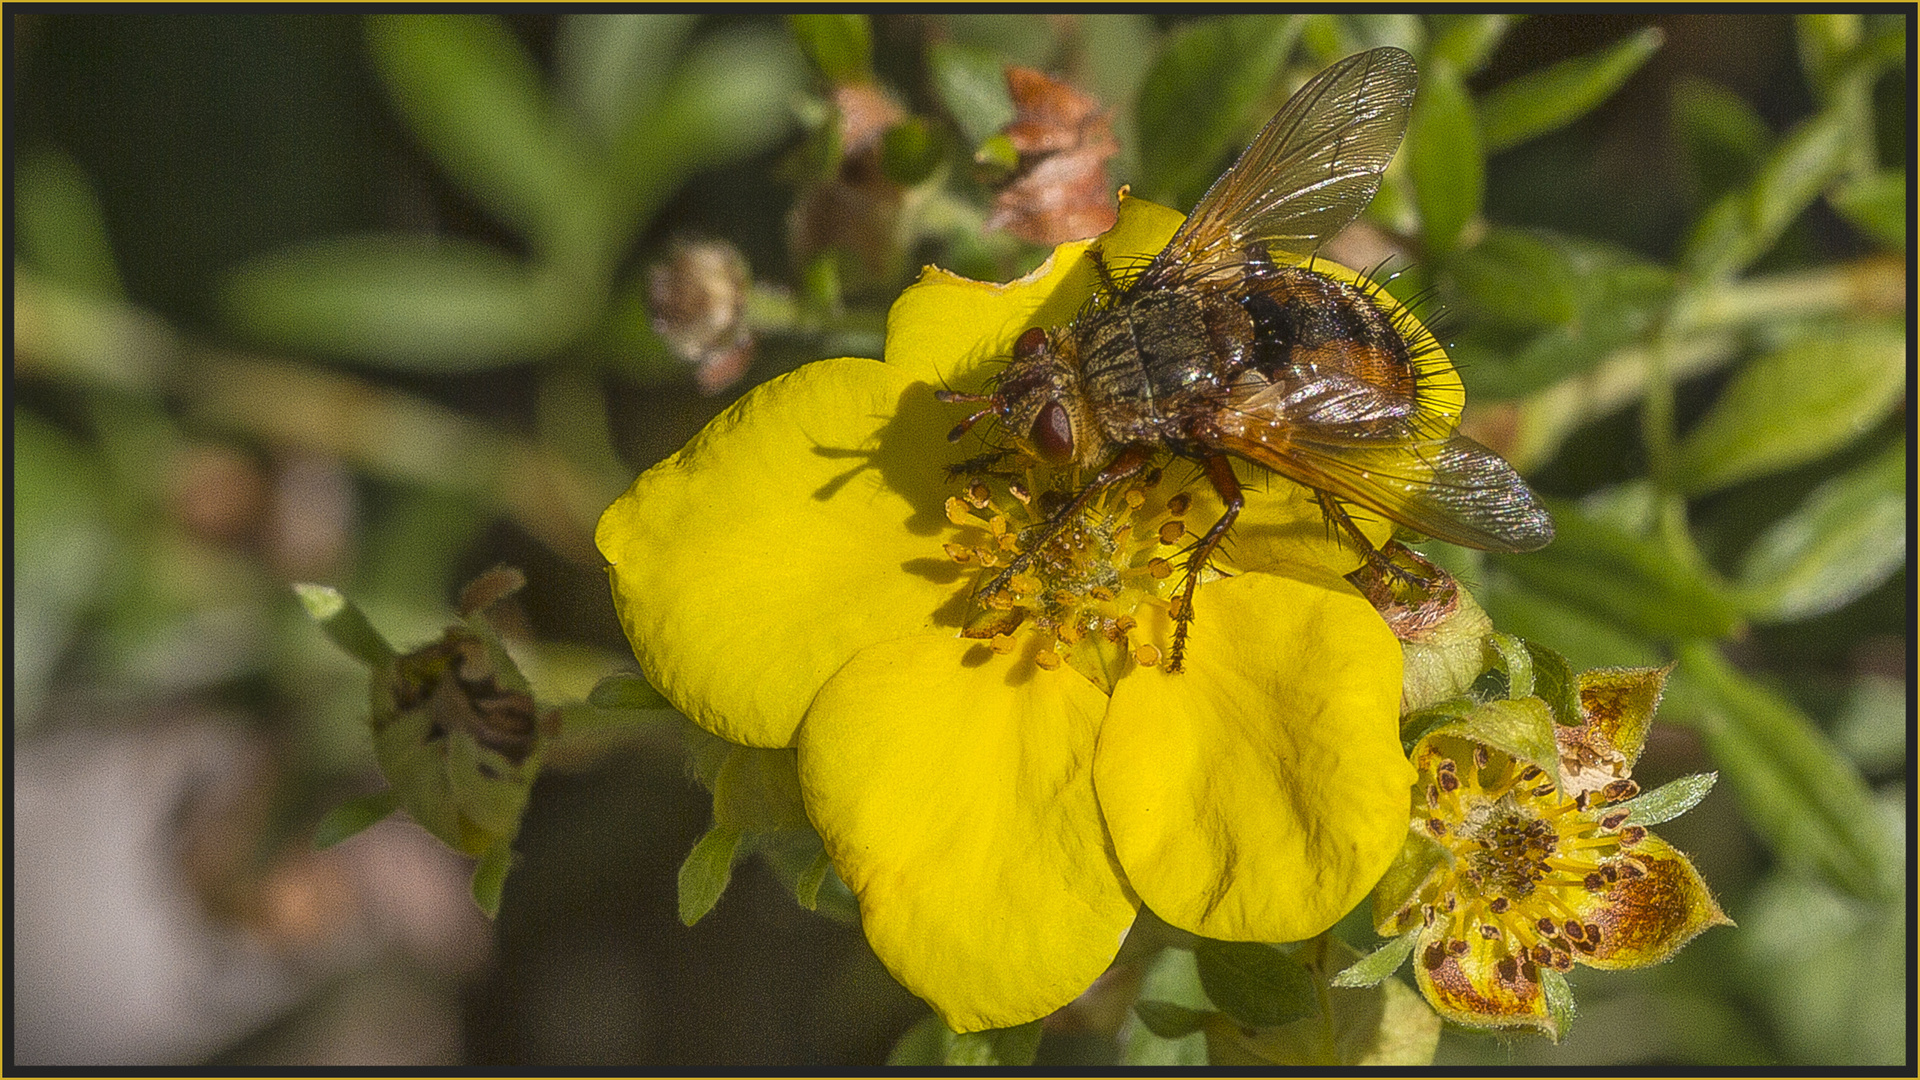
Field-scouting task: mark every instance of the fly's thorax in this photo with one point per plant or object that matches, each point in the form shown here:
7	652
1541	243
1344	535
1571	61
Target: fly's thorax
1157	358
1308	324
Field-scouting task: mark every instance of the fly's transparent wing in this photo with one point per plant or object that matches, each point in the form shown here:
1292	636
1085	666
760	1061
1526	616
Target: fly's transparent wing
1308	174
1378	450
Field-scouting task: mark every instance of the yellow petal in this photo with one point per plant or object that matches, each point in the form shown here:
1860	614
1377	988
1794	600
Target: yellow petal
1472	989
799	527
946	328
1262	792
952	787
1646	918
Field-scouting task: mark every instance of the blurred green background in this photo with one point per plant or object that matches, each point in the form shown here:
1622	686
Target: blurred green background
384	302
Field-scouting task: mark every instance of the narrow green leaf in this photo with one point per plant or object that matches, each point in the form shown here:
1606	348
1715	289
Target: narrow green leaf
611	66
1444	157
439	306
1012	1047
730	97
354	816
345	624
1668	801
1554	682
1745	224
1541	101
1841	543
1169	1021
1198	97
706	872
1172	978
1797	403
1801	794
972	84
60	229
1379	963
490	876
1722	139
840	45
1255	984
1876	204
626	690
475	99
1516	277
1465	41
1630	580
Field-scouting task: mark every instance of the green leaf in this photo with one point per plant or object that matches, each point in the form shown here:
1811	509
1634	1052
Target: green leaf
1518	278
1746	223
1554	682
1379	963
1800	793
972	84
1630	580
1841	543
438	306
1255	984
1465	41
1013	1047
490	876
611	67
1172	978
1587	639
840	45
345	624
1553	97
1668	801
806	888
1797	403
354	816
1197	99
1444	158
474	98
1722	139
705	873
60	229
924	1045
730	98
626	690
910	151
1169	1021
1876	204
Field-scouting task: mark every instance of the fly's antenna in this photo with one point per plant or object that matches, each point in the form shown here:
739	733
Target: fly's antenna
953	396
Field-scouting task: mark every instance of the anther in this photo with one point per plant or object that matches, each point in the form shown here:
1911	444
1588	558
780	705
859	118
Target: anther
1179	503
1047	659
1171	532
1146	656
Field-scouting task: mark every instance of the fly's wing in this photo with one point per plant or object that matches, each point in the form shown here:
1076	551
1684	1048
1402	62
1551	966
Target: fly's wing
1307	175
1340	435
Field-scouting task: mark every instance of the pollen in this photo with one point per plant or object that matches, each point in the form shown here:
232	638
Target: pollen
1076	585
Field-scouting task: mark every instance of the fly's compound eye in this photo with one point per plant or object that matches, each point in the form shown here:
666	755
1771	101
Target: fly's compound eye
1052	434
1030	343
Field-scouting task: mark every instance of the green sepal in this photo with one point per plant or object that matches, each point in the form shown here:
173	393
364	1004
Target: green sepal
626	690
1521	727
354	816
1379	963
1412	866
1668	801
1169	1021
345	624
1013	1047
490	876
1560	1008
705	873
1516	661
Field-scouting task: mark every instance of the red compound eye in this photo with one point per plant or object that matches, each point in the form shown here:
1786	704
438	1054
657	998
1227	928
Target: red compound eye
1053	433
1030	343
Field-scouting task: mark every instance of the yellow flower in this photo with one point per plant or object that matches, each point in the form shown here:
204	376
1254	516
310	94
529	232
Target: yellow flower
1003	795
1525	875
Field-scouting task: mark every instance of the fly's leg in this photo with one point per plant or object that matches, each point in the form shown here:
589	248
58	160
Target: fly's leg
1126	463
1220	472
1376	559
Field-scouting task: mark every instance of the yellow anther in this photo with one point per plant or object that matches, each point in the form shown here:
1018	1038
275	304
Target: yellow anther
979	496
959	513
959	553
1179	503
1001	643
1146	656
1171	532
1160	568
1135	498
1047	659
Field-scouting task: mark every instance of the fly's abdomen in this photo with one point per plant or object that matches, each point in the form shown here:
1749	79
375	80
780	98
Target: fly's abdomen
1308	324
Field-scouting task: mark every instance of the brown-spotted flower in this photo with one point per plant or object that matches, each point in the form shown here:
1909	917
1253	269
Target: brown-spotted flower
1522	865
1002	794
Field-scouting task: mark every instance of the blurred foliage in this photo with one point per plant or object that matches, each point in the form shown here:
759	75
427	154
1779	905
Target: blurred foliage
374	302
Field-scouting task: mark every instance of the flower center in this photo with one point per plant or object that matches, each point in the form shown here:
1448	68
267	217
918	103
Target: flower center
1074	589
1523	862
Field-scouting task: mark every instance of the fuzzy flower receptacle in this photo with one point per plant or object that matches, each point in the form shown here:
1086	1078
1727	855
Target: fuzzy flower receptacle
1003	785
